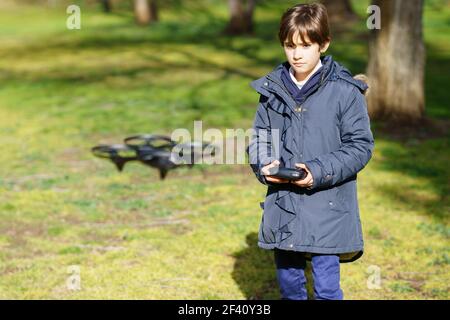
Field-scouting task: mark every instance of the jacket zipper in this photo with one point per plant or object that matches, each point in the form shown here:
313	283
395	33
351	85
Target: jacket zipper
298	108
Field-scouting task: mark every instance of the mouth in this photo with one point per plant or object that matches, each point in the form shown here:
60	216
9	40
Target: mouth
298	64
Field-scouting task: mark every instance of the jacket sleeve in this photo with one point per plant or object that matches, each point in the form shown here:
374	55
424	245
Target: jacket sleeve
356	148
260	151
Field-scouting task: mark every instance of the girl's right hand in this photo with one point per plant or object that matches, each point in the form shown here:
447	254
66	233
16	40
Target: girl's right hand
265	172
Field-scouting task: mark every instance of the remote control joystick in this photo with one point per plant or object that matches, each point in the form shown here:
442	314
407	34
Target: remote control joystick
287	173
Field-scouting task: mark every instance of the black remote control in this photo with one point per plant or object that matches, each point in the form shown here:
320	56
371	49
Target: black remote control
287	173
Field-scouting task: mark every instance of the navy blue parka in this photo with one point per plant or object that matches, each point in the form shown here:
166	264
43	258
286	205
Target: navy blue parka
327	128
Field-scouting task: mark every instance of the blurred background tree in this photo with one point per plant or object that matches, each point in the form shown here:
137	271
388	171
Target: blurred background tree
241	17
146	11
340	10
397	63
106	5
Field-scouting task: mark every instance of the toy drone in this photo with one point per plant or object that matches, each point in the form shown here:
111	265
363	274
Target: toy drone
156	151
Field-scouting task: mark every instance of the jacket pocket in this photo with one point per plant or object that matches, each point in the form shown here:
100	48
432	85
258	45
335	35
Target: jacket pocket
337	203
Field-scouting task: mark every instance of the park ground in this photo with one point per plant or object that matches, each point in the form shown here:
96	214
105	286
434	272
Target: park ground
192	236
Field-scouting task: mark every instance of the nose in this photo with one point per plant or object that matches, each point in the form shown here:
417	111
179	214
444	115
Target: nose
297	53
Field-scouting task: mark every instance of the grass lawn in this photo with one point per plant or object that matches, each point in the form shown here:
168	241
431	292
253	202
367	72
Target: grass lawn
194	235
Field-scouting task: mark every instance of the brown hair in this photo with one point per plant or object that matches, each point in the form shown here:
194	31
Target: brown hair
308	19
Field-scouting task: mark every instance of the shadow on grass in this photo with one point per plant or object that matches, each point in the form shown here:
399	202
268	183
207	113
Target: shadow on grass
421	153
207	32
436	82
254	271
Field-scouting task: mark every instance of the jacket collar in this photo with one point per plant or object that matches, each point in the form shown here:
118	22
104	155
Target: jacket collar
331	70
308	87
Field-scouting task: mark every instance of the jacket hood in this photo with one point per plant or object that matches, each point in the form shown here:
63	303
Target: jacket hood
331	71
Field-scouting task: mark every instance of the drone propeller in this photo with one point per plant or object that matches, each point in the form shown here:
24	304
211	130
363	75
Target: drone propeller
151	140
119	154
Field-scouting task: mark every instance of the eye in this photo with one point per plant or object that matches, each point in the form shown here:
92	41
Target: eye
306	45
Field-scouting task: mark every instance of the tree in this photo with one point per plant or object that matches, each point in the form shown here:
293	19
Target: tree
153	11
339	10
145	11
397	62
106	4
241	17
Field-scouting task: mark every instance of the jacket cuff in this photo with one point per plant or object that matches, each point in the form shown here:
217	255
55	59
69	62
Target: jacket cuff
321	178
316	172
262	177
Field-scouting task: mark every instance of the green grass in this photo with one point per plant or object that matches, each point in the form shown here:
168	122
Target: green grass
194	235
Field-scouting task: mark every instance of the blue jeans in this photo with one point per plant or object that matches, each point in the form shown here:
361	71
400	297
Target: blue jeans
291	275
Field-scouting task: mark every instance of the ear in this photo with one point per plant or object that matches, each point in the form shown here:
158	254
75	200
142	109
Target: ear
325	46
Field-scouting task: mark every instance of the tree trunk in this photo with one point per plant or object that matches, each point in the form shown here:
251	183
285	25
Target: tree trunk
153	11
145	11
397	62
241	17
106	4
339	10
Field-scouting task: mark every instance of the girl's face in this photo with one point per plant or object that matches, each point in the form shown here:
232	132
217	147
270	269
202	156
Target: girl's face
303	56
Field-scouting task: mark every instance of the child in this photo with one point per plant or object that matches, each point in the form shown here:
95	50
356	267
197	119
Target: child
312	114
